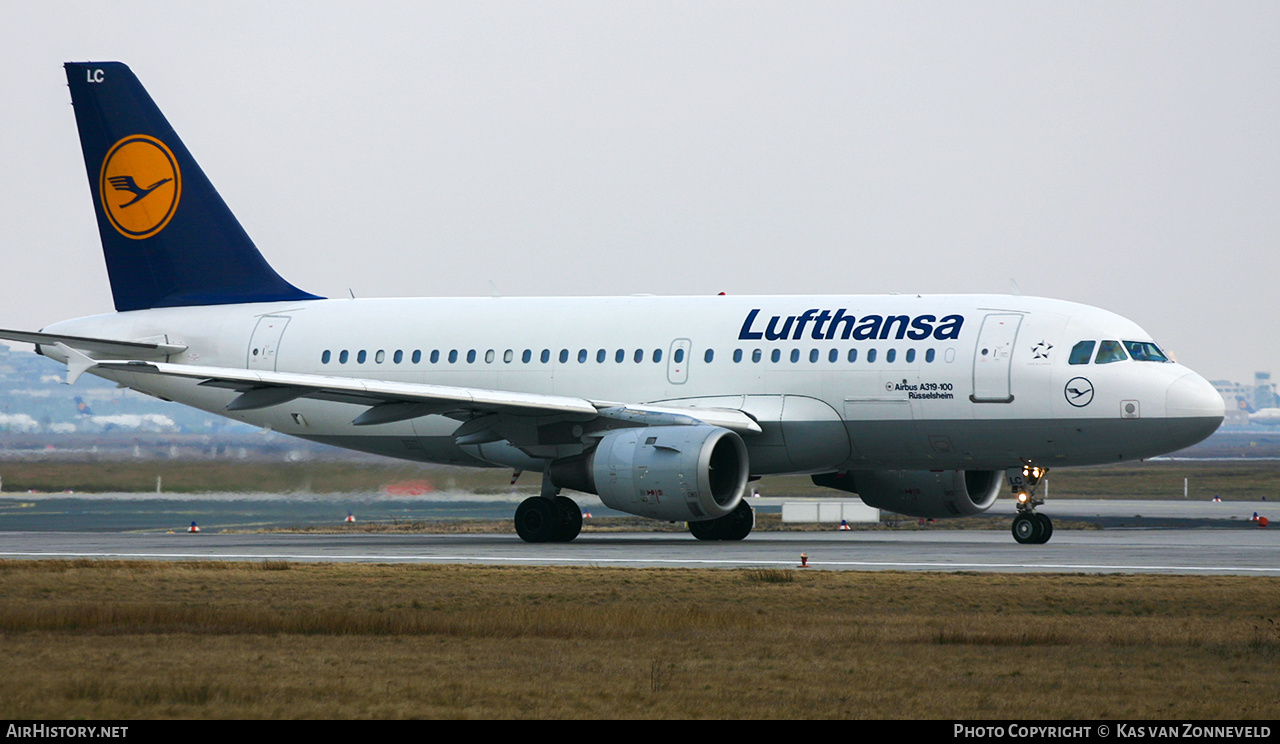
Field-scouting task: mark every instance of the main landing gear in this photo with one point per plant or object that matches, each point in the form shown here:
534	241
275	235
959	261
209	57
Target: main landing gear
1031	527
735	525
549	517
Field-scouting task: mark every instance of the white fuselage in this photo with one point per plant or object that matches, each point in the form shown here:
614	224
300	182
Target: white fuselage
910	382
1265	417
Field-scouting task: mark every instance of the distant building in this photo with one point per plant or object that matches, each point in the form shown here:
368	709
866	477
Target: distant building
1232	393
1241	398
1264	391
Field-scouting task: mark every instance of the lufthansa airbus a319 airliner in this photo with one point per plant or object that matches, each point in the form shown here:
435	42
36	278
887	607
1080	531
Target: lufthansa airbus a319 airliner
665	407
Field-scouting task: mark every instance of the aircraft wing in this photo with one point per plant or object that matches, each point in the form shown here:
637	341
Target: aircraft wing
488	415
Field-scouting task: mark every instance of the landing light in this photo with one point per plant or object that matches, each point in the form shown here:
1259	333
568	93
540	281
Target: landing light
1022	497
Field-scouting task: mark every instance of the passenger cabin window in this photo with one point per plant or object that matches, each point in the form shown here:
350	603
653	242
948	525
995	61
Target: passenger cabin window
1108	352
1081	352
1145	351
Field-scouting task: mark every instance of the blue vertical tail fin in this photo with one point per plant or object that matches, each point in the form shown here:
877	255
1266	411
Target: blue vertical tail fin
169	239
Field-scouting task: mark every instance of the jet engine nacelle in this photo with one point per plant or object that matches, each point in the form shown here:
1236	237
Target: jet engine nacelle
921	493
673	473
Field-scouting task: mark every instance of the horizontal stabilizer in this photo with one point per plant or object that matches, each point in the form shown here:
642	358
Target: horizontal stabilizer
106	347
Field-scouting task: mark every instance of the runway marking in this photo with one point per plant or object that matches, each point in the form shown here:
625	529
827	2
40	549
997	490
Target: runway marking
943	566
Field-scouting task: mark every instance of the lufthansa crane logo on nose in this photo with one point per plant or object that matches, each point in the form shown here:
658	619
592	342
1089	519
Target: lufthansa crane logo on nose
140	186
1079	392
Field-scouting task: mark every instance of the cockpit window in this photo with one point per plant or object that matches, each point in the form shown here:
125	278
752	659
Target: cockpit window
1082	352
1145	351
1110	351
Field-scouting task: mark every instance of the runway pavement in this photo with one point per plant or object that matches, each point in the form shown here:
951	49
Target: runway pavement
1223	541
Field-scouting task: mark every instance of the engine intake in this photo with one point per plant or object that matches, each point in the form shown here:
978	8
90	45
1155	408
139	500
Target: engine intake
921	493
673	473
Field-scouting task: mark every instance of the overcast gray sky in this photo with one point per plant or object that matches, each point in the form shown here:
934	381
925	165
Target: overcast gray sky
1120	154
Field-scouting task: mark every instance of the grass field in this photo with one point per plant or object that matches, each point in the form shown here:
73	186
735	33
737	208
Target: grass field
118	640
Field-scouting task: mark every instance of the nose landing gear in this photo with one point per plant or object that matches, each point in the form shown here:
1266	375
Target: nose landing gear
1030	527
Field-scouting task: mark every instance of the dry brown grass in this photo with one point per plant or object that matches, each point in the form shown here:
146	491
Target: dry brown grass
286	640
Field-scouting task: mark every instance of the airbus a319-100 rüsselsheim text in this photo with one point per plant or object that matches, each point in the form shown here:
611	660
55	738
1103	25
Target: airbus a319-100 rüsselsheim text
665	407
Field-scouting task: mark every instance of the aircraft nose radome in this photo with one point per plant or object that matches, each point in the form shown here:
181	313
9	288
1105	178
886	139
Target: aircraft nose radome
1191	396
1194	409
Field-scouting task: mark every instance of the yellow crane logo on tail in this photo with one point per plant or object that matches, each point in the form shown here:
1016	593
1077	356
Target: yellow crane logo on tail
140	186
